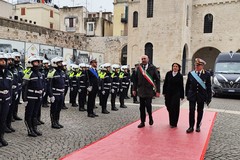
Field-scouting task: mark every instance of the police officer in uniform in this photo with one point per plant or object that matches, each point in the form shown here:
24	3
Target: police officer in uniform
46	65
124	83
115	85
6	78
198	91
82	79
66	83
106	81
19	67
93	88
56	91
33	91
73	85
14	72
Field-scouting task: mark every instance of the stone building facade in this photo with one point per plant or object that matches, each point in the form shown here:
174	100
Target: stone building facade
180	30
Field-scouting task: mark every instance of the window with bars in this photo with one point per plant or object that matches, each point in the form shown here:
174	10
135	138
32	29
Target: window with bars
208	23
70	22
149	8
135	19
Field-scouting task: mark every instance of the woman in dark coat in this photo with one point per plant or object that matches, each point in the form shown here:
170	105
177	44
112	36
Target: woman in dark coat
173	91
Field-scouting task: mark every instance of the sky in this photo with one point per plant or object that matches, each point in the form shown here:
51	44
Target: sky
92	5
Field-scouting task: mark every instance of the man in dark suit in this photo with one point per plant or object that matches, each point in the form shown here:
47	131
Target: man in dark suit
198	91
92	88
147	84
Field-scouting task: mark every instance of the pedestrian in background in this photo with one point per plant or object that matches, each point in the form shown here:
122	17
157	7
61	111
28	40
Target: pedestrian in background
173	92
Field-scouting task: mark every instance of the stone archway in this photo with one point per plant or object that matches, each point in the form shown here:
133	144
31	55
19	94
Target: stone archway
209	54
124	55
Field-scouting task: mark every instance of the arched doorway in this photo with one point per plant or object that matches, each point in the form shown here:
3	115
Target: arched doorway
184	59
124	55
149	51
209	54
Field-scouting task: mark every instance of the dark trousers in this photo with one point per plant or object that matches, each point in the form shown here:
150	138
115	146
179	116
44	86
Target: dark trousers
91	101
15	109
104	99
10	112
82	97
4	108
73	95
44	101
122	96
113	98
173	106
145	103
56	107
192	107
31	111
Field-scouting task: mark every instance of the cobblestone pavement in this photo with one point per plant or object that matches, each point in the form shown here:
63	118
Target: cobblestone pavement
79	130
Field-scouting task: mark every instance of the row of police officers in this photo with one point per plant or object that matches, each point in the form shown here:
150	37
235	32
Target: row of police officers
38	83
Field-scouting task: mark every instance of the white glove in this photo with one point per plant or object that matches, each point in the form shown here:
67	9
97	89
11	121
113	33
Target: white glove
99	88
79	90
52	99
121	90
103	92
44	93
89	89
16	97
71	88
113	90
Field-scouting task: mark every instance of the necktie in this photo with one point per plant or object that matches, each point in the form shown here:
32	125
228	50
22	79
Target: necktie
144	67
198	73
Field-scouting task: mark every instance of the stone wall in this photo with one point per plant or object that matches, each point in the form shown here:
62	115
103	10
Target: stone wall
110	46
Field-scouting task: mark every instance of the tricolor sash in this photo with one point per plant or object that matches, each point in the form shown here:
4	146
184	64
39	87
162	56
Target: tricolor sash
147	76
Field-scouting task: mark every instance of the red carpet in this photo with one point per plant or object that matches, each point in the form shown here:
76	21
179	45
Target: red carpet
157	142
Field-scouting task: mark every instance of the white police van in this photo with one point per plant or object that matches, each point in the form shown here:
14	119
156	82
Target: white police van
226	74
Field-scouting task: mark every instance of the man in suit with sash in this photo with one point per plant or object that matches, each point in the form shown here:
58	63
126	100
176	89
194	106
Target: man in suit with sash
147	85
198	90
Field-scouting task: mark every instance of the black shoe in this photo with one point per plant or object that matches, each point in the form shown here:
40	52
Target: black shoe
151	122
17	118
123	106
55	126
105	112
8	130
173	126
114	109
12	129
19	103
41	122
4	142
198	129
61	126
95	114
82	109
37	132
91	115
95	106
32	134
136	102
74	105
13	120
64	107
127	97
141	125
190	130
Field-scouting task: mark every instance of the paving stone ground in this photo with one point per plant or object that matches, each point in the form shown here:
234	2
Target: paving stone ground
79	130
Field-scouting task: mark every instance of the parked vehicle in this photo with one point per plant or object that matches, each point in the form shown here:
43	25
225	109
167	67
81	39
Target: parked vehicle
226	74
